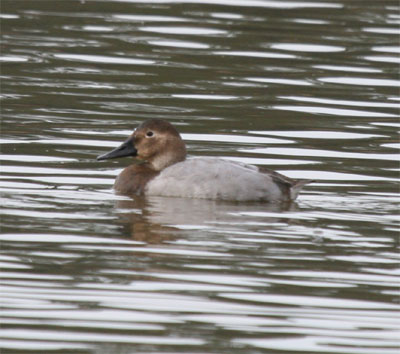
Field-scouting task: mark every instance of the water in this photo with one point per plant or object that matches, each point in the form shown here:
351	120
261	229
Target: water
310	89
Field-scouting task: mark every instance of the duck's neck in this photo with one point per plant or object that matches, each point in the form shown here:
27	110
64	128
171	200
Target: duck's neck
176	152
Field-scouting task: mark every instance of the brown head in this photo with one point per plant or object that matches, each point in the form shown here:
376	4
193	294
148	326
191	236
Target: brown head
155	141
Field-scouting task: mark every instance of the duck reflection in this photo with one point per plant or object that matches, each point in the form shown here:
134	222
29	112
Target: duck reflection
160	219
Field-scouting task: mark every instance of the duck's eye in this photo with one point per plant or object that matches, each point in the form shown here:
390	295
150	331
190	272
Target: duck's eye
149	134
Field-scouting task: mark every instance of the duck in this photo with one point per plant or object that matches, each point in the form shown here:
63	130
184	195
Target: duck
162	168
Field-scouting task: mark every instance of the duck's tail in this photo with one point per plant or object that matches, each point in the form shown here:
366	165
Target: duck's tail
297	186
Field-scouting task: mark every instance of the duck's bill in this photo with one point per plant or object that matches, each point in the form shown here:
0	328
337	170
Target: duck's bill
126	149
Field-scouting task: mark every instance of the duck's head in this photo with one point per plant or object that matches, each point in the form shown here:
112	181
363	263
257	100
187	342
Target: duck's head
155	141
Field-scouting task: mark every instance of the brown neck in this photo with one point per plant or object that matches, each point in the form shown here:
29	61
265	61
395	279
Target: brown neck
133	179
175	152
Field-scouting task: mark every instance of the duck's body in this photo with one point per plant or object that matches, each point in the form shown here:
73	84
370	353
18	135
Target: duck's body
165	171
215	178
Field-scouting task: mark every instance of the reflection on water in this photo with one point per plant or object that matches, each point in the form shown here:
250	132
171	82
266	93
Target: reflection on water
153	219
308	88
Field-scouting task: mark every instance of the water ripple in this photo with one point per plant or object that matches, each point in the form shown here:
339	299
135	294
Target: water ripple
282	84
297	47
104	59
361	81
196	31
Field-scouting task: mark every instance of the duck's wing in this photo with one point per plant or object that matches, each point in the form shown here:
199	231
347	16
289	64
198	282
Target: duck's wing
289	187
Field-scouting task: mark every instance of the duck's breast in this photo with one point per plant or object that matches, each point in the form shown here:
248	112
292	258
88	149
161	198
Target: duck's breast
214	178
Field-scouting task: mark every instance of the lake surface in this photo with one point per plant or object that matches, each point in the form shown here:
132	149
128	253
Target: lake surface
308	88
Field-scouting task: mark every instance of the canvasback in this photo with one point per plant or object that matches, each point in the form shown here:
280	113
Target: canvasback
162	169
